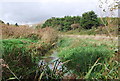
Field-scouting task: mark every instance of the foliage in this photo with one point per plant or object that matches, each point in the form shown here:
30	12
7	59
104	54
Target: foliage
1	22
89	19
16	24
49	35
80	62
75	26
64	42
18	57
8	24
62	24
83	32
22	56
38	26
84	53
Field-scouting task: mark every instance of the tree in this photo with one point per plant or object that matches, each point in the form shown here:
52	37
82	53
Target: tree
8	24
62	24
89	19
1	22
16	24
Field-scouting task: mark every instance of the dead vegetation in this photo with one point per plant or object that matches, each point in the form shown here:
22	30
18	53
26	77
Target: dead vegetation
48	35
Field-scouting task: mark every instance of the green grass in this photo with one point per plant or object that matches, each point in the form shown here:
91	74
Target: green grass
82	32
94	31
80	56
64	42
18	57
22	57
83	53
84	57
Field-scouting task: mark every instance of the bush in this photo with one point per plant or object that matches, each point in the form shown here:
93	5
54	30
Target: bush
18	32
19	58
16	24
22	56
83	57
75	26
49	35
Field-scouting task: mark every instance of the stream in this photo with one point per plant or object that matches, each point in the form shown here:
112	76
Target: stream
49	59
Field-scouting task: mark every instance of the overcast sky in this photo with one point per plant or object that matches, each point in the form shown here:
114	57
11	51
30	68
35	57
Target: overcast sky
35	11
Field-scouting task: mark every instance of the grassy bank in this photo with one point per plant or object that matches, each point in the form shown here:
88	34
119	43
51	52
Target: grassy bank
95	31
22	57
86	56
81	56
23	47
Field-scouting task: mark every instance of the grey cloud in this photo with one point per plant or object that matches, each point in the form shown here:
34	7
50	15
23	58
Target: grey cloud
33	12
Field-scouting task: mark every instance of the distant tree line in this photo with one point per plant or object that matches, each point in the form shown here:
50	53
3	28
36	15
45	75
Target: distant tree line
87	21
62	24
16	24
1	22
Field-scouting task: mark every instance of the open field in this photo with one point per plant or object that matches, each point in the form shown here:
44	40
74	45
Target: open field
96	37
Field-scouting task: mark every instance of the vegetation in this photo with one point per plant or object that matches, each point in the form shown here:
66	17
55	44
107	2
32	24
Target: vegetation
16	24
62	24
1	22
81	57
23	49
89	19
8	24
86	54
18	58
89	24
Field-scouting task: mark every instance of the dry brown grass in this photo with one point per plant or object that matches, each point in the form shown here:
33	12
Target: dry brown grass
96	37
16	32
47	35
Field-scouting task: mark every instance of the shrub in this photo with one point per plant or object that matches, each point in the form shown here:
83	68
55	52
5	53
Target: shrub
8	24
21	55
75	26
16	24
17	32
49	35
38	26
